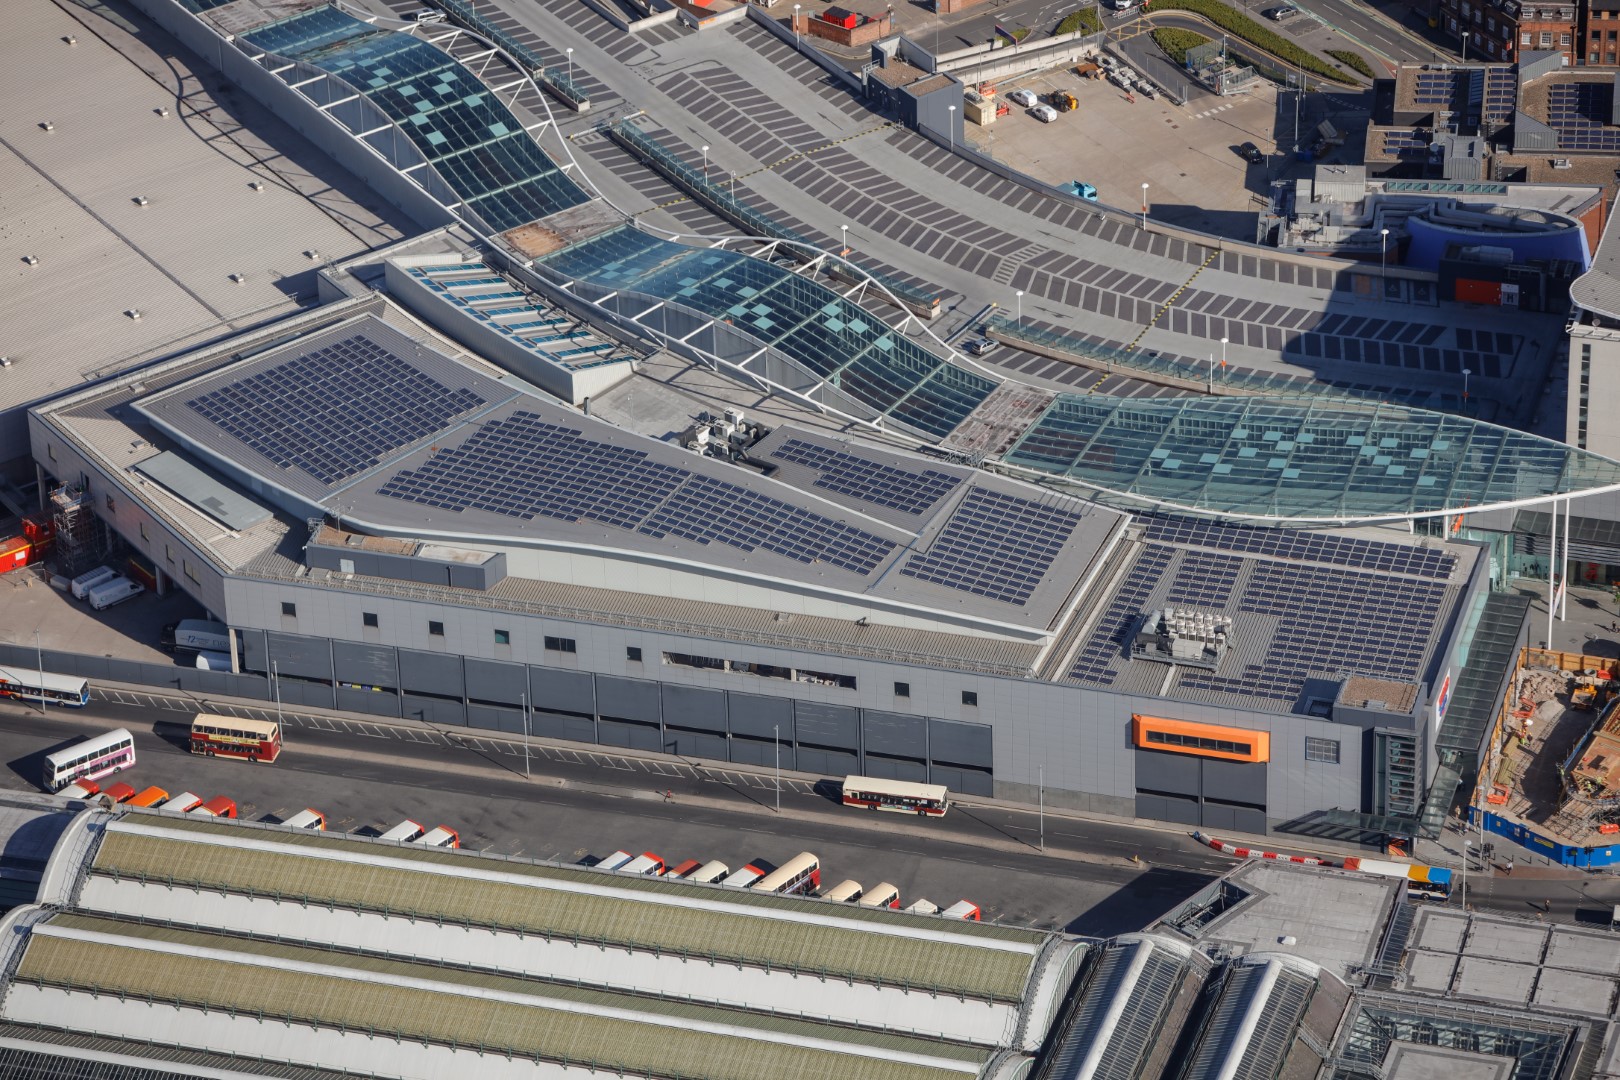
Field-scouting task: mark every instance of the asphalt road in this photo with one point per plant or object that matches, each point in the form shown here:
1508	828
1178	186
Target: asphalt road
1085	882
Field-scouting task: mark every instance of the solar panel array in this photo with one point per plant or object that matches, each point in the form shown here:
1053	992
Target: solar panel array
336	411
1105	650
995	545
1303	546
1406	144
1501	94
867	480
1434	88
1205	579
1580	112
1330	619
523	466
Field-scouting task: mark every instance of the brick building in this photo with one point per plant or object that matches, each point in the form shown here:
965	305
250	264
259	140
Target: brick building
1500	29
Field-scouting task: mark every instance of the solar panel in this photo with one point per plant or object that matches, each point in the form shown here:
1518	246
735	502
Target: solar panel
1104	650
870	481
336	411
1308	547
1204	579
523	466
995	545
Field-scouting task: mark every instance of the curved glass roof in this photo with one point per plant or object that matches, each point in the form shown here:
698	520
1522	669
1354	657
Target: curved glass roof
472	139
1299	460
830	337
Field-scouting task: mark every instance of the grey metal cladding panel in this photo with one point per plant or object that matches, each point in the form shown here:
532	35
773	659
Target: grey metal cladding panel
897	734
432	710
563	691
559	726
1167	808
628	699
754	714
695	744
827	725
254	654
963	781
695	707
1160	771
308	657
828	762
371	702
888	768
315	695
494	718
1234	781
959	743
631	736
764	752
206	492
468	577
431	673
1234	819
491	680
368	665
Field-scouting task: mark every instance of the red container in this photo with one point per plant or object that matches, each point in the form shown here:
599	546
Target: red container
15	553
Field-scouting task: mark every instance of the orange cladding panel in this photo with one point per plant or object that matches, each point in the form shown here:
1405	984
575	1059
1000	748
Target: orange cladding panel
1201	740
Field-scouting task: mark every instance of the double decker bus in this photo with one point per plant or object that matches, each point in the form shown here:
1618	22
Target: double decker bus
229	736
899	796
46	686
799	874
90	759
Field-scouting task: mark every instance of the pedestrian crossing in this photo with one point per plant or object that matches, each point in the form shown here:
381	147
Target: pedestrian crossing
1216	109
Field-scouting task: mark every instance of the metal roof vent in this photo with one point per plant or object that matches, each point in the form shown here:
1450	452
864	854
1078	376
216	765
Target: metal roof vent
240	279
71	39
256	186
6	361
162	110
31	260
141	200
47	126
312	254
134	313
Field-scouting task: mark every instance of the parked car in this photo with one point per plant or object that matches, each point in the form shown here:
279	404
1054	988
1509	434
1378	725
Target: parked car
1024	97
979	346
1081	190
1278	14
1044	113
1251	153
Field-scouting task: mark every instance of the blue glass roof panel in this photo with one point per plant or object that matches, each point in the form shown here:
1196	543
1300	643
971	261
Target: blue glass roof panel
1344	461
474	141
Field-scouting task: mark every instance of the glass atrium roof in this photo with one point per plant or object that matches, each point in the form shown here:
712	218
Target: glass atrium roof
473	140
827	335
1300	460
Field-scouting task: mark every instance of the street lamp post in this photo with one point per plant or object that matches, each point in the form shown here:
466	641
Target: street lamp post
1224	340
705	164
952	126
1383	256
524	698
39	655
1466	372
844	249
1020	296
795	26
1041	783
275	684
570	52
776	742
1468	848
1144	204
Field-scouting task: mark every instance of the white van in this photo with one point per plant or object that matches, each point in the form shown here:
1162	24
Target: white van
115	590
213	661
199	634
183	802
81	585
404	832
307	819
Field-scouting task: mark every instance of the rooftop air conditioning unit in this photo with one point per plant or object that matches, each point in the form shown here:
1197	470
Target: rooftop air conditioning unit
141	200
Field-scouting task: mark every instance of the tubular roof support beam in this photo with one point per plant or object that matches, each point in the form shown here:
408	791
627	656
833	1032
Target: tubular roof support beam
339	101
514	84
275	71
605	298
374	131
695	333
304	82
486	54
412	168
536	126
642	315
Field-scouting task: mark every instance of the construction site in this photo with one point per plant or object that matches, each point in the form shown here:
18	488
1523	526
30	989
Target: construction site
1551	779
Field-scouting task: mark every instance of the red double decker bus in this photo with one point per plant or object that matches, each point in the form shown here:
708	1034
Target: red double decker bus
230	736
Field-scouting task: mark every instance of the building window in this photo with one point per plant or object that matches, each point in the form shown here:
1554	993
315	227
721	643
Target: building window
560	644
186	568
1563	39
1546	39
1586	393
288	608
1323	750
970	697
503	637
902	689
50	451
143	531
633	653
168	554
435	629
368	619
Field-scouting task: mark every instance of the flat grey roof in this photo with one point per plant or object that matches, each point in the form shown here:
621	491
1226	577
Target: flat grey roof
207	493
100	254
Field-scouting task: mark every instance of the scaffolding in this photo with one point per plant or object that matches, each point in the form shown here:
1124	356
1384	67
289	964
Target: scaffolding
82	539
